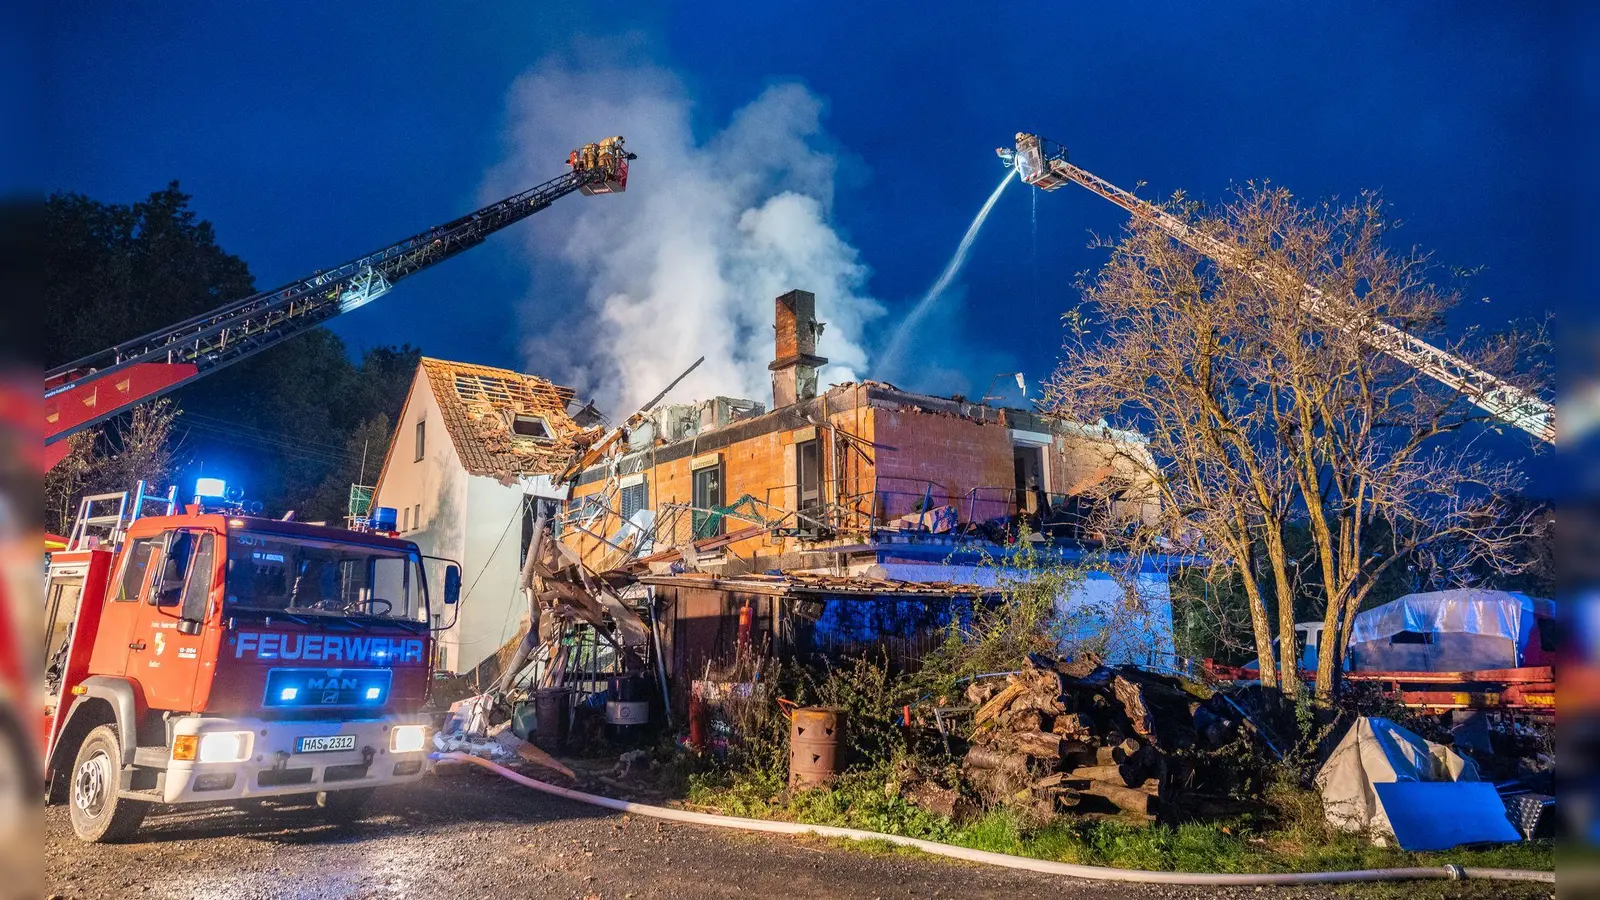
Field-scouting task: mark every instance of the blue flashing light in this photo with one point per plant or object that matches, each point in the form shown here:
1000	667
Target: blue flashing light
210	488
289	693
385	518
374	693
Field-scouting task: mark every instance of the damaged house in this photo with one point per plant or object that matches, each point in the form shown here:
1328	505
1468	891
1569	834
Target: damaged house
474	448
735	515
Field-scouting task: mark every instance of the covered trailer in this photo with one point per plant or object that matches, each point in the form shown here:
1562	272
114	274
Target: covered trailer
1459	630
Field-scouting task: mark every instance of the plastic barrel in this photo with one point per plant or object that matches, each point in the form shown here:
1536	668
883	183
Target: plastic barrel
815	736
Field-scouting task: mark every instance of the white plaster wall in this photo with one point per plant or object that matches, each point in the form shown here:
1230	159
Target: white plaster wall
493	609
1136	629
438	484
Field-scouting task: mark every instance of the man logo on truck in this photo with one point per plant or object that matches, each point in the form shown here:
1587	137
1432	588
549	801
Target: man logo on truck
332	684
320	647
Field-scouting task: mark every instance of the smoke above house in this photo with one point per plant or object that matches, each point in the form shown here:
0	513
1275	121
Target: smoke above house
717	222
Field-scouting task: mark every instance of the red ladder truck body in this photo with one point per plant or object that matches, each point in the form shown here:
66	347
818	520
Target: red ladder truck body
202	655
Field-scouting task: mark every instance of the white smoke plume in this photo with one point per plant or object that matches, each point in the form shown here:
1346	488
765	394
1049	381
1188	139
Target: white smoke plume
687	261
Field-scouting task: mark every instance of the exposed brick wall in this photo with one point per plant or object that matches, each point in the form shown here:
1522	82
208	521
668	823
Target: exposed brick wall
787	329
969	464
877	460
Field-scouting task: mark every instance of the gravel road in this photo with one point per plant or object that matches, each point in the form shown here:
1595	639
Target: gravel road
471	835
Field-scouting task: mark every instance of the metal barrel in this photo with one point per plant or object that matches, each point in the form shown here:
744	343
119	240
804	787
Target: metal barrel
815	736
550	716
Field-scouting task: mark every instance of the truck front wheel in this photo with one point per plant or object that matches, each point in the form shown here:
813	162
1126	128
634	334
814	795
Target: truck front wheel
98	814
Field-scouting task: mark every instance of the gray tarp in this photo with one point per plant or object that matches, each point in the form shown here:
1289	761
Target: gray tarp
1457	630
1377	751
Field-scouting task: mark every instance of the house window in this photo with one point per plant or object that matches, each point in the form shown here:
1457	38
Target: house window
808	475
422	438
707	495
416	516
531	427
405	519
634	498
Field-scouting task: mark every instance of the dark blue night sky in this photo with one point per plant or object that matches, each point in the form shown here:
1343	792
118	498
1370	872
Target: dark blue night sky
310	132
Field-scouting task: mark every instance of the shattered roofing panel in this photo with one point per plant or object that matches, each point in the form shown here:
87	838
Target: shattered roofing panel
480	404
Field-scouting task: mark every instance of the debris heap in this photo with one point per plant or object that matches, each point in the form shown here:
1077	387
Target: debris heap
1078	737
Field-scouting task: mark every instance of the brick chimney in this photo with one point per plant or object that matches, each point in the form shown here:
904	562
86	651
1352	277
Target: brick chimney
794	368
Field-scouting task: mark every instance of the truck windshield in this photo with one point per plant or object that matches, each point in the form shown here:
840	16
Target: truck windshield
286	573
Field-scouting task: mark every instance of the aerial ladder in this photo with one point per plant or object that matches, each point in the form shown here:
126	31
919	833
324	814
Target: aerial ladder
1044	165
90	390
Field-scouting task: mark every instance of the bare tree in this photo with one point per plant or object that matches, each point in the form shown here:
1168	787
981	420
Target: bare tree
1265	407
132	448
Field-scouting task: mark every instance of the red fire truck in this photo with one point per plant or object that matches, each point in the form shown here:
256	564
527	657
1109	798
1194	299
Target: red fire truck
203	654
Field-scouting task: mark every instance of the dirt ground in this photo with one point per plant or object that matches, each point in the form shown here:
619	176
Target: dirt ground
471	835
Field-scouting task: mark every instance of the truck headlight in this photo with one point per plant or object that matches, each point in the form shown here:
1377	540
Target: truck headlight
224	746
407	738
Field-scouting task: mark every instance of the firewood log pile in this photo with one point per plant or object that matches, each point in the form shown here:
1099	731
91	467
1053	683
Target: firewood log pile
1079	738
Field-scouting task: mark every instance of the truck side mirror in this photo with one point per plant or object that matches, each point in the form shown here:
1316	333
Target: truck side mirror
452	585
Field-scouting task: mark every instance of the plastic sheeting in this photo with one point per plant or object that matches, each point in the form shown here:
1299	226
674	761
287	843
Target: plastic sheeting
1458	630
1377	751
1094	611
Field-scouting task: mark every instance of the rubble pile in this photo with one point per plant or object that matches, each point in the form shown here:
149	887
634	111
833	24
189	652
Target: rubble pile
1080	738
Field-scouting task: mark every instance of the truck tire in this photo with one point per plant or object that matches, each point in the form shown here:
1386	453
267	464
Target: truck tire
346	805
98	814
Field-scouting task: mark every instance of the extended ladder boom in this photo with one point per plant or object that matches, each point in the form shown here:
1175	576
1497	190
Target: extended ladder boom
1044	165
96	387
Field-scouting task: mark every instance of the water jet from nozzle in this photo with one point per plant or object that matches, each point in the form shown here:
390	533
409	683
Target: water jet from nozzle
897	344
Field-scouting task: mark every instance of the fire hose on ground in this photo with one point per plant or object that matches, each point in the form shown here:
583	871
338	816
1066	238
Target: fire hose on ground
1070	870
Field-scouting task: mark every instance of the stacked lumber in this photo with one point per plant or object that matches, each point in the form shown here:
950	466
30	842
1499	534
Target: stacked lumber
1076	737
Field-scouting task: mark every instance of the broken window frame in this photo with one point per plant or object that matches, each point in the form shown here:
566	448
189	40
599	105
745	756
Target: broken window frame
705	498
633	497
517	419
808	483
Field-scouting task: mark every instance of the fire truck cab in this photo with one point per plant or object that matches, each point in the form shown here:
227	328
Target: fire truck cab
203	654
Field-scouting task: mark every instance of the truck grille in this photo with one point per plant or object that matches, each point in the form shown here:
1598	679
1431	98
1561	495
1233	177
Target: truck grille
281	777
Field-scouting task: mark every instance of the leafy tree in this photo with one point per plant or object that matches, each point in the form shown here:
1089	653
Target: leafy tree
115	271
283	423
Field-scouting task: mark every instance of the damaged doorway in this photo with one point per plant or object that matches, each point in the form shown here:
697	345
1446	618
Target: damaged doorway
1028	465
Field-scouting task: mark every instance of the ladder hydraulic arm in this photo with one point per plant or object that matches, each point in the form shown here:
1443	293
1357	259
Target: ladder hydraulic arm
96	387
1044	165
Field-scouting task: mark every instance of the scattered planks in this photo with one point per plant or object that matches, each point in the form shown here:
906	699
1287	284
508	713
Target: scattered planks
1079	737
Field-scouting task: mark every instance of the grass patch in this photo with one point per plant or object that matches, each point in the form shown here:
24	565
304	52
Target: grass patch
1296	843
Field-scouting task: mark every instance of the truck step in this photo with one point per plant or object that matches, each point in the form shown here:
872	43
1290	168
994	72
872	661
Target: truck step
152	757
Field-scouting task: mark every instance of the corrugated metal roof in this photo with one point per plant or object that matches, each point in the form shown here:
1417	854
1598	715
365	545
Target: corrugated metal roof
479	405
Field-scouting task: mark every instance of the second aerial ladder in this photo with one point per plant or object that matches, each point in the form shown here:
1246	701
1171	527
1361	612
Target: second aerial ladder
1044	165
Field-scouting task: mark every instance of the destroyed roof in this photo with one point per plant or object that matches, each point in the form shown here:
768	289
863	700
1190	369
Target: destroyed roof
481	404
